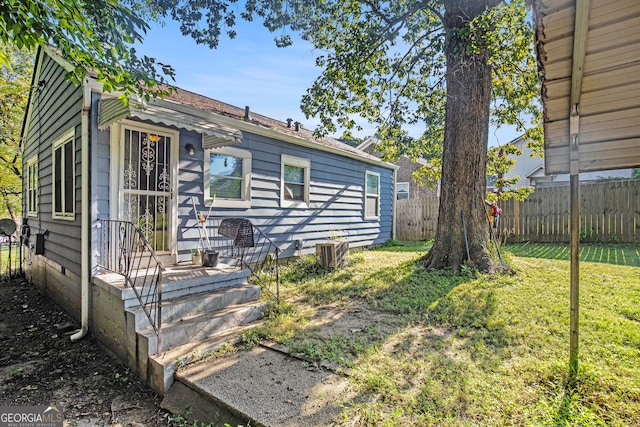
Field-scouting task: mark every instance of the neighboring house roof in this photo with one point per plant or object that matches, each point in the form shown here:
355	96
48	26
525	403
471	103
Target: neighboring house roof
372	140
533	169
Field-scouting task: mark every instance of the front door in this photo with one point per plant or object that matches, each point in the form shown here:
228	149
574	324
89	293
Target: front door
147	183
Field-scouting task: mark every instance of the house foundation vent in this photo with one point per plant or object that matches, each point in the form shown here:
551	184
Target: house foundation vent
333	253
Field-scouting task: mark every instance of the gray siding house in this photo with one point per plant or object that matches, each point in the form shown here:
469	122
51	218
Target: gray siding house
88	157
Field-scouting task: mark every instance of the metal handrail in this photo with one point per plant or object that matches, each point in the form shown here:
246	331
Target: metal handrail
123	249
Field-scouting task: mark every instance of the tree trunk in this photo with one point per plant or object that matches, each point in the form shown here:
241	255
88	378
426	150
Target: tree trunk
464	161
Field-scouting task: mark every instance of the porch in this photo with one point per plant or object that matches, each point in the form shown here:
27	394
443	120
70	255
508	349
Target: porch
153	316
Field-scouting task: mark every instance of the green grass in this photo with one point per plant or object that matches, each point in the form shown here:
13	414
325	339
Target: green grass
474	350
622	254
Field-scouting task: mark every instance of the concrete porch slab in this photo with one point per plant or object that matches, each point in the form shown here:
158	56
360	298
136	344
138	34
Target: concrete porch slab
262	386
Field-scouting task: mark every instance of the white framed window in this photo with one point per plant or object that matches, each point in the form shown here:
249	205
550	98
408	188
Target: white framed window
227	177
294	186
64	176
32	186
402	190
372	196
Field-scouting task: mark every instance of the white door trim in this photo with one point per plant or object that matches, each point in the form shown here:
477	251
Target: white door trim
116	206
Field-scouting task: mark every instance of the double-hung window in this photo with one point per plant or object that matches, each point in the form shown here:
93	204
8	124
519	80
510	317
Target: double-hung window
295	178
64	176
228	177
32	186
372	196
402	190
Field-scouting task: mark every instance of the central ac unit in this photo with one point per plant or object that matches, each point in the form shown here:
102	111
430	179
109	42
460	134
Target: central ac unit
333	253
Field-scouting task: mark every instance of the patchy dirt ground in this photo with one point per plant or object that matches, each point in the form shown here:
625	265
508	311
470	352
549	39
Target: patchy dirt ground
39	365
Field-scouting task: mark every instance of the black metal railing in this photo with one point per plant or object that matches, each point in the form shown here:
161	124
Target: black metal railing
239	240
123	249
10	256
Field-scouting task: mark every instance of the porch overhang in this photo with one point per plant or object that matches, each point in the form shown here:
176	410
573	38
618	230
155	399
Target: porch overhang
589	57
113	110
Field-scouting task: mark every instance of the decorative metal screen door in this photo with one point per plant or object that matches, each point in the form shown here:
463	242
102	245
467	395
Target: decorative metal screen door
147	185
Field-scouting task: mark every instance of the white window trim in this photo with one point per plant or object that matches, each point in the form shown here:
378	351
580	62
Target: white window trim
366	195
245	201
301	163
32	168
407	184
66	138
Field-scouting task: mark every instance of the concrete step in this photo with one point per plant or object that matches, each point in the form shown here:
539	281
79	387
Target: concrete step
201	326
162	367
188	306
177	282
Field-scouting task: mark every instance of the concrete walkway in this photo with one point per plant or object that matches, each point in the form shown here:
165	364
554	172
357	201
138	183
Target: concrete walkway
261	386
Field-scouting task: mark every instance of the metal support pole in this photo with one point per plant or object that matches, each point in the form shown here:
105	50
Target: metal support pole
575	274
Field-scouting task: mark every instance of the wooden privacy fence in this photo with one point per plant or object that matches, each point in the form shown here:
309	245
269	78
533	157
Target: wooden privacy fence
609	212
416	219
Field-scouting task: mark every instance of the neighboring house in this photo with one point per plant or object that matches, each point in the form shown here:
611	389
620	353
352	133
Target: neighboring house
88	157
531	170
406	186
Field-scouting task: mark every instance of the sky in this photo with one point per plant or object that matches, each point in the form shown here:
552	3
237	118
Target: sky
251	71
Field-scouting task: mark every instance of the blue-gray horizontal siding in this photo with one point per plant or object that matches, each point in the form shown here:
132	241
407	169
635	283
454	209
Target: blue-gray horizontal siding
56	107
336	200
100	177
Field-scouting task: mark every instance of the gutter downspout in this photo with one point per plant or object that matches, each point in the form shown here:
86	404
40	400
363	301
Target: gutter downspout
395	204
84	216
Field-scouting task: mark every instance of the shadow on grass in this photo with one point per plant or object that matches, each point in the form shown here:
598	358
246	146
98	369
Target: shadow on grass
355	311
446	340
578	400
620	253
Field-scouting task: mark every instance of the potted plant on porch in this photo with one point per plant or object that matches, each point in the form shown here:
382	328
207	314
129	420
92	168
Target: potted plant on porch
196	257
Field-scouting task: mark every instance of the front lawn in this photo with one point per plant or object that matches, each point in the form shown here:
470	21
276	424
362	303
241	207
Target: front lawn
433	348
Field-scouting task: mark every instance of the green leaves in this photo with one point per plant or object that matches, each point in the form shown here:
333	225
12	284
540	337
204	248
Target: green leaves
15	79
94	36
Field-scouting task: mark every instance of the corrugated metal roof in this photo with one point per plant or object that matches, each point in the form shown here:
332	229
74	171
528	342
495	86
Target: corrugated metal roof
604	82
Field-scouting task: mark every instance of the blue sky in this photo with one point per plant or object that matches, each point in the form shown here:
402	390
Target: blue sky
251	70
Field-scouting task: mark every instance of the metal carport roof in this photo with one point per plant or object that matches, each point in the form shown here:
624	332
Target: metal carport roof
589	57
